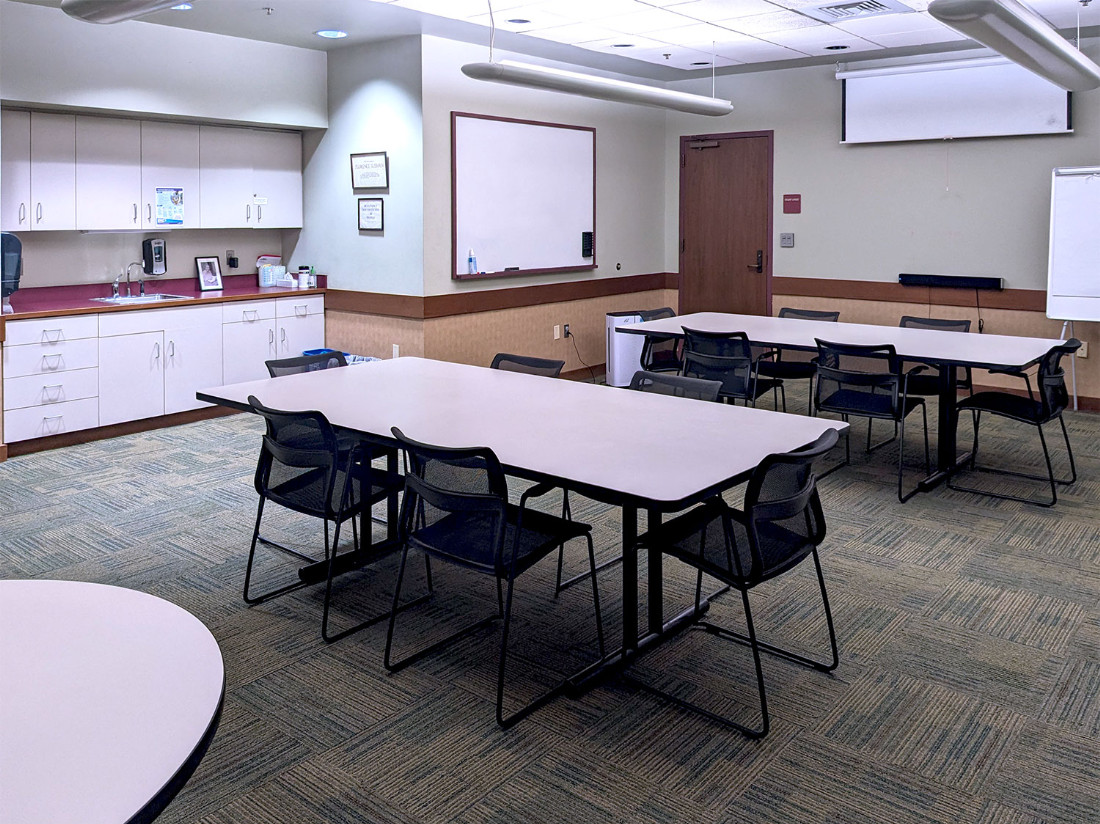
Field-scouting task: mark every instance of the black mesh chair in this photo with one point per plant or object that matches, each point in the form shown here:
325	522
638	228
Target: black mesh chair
527	365
868	382
781	525
729	358
1044	403
664	384
792	364
929	385
346	440
303	468
456	509
305	363
660	353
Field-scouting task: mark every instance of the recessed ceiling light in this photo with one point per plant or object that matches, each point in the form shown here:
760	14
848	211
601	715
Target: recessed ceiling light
622	45
331	34
701	63
182	7
835	48
519	21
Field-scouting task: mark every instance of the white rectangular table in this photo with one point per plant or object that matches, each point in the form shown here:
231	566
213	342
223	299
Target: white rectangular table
630	449
943	350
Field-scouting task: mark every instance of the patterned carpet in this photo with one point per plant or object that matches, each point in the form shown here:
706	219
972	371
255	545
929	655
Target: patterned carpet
968	689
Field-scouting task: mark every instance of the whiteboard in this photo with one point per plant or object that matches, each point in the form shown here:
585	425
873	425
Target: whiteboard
523	194
980	98
1073	269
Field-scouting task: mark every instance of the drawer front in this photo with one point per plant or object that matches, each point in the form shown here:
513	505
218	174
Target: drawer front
303	307
40	421
248	311
51	331
42	390
35	359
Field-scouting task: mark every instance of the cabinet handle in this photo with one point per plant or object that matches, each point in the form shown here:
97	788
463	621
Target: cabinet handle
271	336
57	426
56	336
251	315
148	212
301	310
171	348
58	391
38	213
22	212
259	214
282	338
156	351
135	213
247	212
53	365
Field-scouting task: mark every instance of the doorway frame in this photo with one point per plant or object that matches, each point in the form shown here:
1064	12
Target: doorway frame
768	248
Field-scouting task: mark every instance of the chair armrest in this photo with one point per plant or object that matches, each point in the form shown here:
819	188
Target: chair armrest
536	491
916	370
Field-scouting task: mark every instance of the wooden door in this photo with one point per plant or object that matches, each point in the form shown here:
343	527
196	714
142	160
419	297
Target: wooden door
726	223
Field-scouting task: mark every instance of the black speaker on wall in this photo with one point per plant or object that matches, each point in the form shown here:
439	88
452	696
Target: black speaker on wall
952	281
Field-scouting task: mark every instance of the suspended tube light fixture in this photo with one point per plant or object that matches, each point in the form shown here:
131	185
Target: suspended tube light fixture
601	88
113	11
1018	33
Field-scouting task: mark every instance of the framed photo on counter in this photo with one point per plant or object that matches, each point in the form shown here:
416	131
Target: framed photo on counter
370	214
209	271
370	170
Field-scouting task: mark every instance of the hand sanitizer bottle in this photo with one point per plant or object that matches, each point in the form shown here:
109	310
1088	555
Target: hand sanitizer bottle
471	264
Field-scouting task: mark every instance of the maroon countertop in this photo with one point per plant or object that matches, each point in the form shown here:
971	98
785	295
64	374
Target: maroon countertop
49	301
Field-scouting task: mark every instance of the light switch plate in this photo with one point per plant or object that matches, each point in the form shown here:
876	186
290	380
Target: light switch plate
786	240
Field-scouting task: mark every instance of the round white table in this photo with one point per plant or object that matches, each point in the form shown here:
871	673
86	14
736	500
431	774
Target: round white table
109	699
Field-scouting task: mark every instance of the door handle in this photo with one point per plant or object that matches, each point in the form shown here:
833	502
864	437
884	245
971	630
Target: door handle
758	267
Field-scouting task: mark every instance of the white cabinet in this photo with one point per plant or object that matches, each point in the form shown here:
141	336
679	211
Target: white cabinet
131	377
277	179
39	171
249	178
50	377
300	325
248	340
108	173
152	362
169	160
15	171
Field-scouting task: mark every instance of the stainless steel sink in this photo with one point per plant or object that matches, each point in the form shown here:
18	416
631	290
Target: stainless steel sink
123	300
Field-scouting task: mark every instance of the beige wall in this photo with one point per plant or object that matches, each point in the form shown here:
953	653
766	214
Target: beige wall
475	338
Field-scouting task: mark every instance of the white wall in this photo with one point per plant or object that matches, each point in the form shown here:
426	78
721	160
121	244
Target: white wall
869	212
49	58
374	105
630	183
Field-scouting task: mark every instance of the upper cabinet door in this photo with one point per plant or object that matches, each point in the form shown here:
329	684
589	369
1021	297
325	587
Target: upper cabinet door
15	171
108	173
225	178
53	171
170	162
277	179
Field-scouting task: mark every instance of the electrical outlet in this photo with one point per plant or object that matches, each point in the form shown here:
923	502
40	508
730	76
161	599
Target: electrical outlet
557	332
567	330
396	350
1083	352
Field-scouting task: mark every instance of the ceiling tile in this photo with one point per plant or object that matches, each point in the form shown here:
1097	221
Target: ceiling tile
538	19
573	34
710	11
775	21
645	21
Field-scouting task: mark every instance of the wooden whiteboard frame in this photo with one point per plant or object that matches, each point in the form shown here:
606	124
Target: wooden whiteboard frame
456	184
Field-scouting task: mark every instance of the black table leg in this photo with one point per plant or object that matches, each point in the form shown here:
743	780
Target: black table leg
947	418
630	577
654	564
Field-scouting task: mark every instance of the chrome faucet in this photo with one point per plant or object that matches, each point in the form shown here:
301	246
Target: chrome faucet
141	282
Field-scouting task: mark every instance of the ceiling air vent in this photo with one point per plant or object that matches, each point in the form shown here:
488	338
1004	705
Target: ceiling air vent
837	12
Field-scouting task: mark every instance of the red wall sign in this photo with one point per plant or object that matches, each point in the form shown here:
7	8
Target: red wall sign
792	204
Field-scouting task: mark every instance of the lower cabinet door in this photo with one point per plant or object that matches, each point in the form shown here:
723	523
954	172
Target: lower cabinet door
131	377
299	333
246	346
192	361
